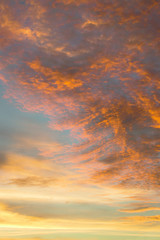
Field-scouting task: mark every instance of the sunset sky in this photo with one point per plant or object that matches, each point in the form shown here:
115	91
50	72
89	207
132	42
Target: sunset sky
80	119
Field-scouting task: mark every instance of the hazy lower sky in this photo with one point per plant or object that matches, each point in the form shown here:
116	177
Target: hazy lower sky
80	119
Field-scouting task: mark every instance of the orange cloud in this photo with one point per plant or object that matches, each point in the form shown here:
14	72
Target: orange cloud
61	82
93	71
143	219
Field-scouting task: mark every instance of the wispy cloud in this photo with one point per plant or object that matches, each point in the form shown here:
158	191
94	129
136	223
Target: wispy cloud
143	209
143	219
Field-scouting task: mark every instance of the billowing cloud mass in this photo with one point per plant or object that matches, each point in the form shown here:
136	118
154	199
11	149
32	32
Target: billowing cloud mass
92	68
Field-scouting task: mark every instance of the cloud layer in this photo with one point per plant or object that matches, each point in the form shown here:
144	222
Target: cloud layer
92	69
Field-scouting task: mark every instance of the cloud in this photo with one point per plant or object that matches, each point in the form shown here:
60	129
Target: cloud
93	68
72	210
33	181
24	171
13	218
3	158
143	209
143	219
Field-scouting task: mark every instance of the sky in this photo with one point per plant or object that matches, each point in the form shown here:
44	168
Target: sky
79	119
